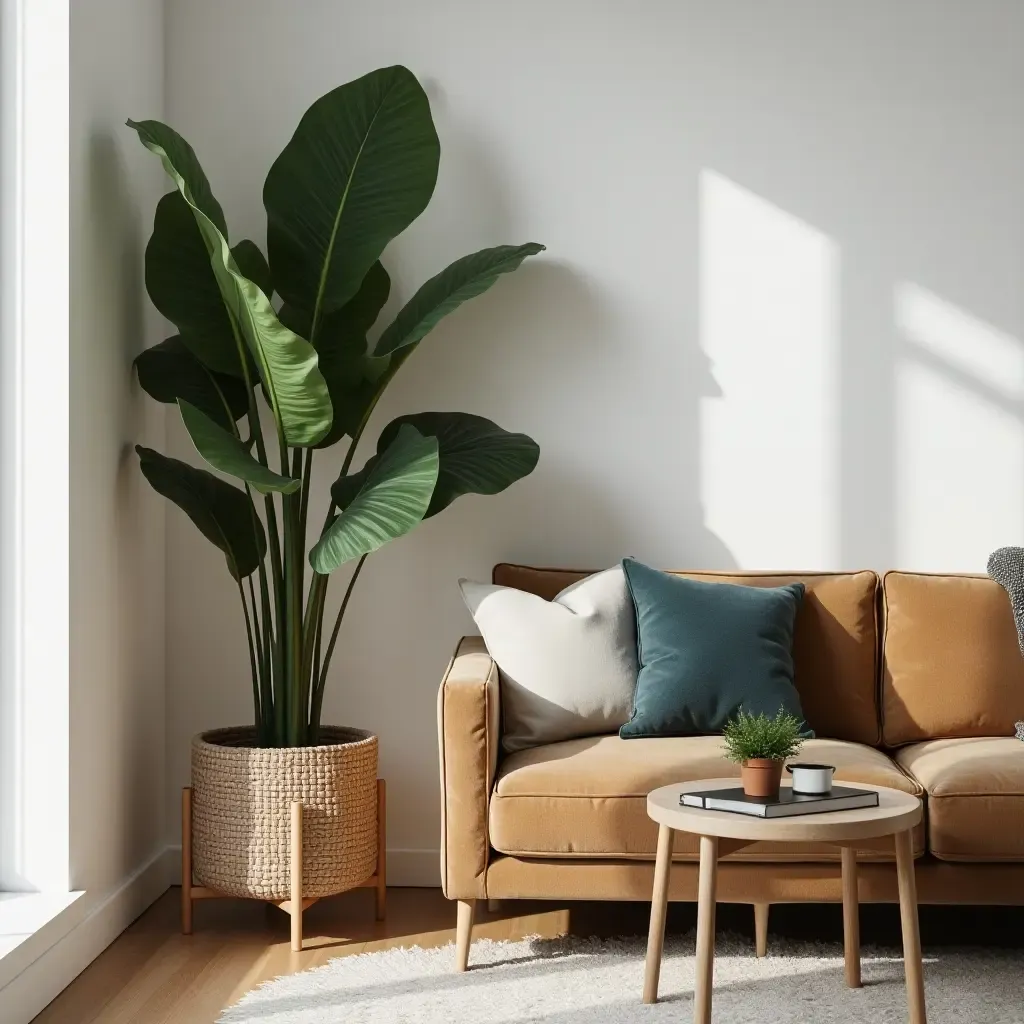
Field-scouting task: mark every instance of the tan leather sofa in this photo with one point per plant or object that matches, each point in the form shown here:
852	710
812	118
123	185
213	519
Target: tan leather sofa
911	681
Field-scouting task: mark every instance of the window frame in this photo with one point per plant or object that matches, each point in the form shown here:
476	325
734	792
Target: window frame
34	445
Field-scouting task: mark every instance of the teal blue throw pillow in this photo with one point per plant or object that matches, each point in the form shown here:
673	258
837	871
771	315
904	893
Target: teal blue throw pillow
706	650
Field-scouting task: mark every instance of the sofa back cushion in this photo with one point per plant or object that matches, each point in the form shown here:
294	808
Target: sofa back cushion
835	643
951	664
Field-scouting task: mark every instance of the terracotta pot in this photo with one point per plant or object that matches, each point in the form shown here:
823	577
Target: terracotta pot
761	777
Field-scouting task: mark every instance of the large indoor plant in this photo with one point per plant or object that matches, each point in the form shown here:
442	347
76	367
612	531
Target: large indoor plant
263	385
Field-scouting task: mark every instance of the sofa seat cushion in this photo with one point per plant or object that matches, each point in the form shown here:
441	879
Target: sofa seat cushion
588	797
975	793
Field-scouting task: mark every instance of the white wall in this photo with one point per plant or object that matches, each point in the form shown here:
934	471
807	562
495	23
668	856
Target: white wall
780	320
117	523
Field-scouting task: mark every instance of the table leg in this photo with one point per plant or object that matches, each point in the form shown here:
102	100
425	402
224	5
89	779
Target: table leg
659	906
705	930
911	935
851	918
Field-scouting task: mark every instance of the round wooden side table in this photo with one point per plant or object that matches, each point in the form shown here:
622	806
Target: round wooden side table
722	833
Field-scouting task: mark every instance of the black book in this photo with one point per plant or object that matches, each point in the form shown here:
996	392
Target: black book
787	804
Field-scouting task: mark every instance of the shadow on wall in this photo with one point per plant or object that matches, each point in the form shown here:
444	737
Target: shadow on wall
549	323
941	407
117	538
884	204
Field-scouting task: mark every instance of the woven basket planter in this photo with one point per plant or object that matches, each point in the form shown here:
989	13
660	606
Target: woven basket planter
241	799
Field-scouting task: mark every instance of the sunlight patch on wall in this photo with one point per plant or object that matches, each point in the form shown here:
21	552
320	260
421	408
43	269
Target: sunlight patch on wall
959	484
769	322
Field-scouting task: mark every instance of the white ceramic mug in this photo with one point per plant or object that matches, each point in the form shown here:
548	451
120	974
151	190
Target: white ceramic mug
811	779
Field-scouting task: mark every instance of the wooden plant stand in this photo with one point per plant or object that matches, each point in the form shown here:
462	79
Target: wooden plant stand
296	904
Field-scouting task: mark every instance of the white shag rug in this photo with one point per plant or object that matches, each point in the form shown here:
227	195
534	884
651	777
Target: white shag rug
599	981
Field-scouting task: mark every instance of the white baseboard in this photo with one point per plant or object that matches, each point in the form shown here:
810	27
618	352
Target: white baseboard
420	869
95	925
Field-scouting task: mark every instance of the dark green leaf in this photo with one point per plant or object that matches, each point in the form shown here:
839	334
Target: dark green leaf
356	317
359	169
294	386
295	320
224	514
476	456
184	158
360	313
169	371
224	451
182	285
341	348
345	488
253	265
464	279
392	499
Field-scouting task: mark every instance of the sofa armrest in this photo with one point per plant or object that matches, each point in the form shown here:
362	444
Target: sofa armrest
469	736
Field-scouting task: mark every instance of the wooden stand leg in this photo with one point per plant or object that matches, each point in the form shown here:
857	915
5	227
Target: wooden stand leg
382	850
464	933
911	934
186	861
761	928
295	908
659	908
705	930
851	917
295	905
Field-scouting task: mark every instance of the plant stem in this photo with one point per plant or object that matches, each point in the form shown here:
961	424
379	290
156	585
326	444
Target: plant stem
319	673
262	713
293	555
274	543
315	672
318	693
298	471
268	645
307	482
351	451
259	624
311	626
252	665
312	614
256	621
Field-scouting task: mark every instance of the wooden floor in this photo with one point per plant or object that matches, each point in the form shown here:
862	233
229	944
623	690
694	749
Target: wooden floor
154	975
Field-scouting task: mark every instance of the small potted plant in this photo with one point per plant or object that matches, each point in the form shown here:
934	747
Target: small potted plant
760	745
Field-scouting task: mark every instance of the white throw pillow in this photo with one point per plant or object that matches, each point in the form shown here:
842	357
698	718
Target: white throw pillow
568	666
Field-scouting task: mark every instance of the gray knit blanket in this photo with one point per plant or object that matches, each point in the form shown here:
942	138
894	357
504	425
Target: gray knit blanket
1006	567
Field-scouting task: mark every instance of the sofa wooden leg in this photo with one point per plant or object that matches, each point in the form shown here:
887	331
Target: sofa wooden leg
464	933
761	928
